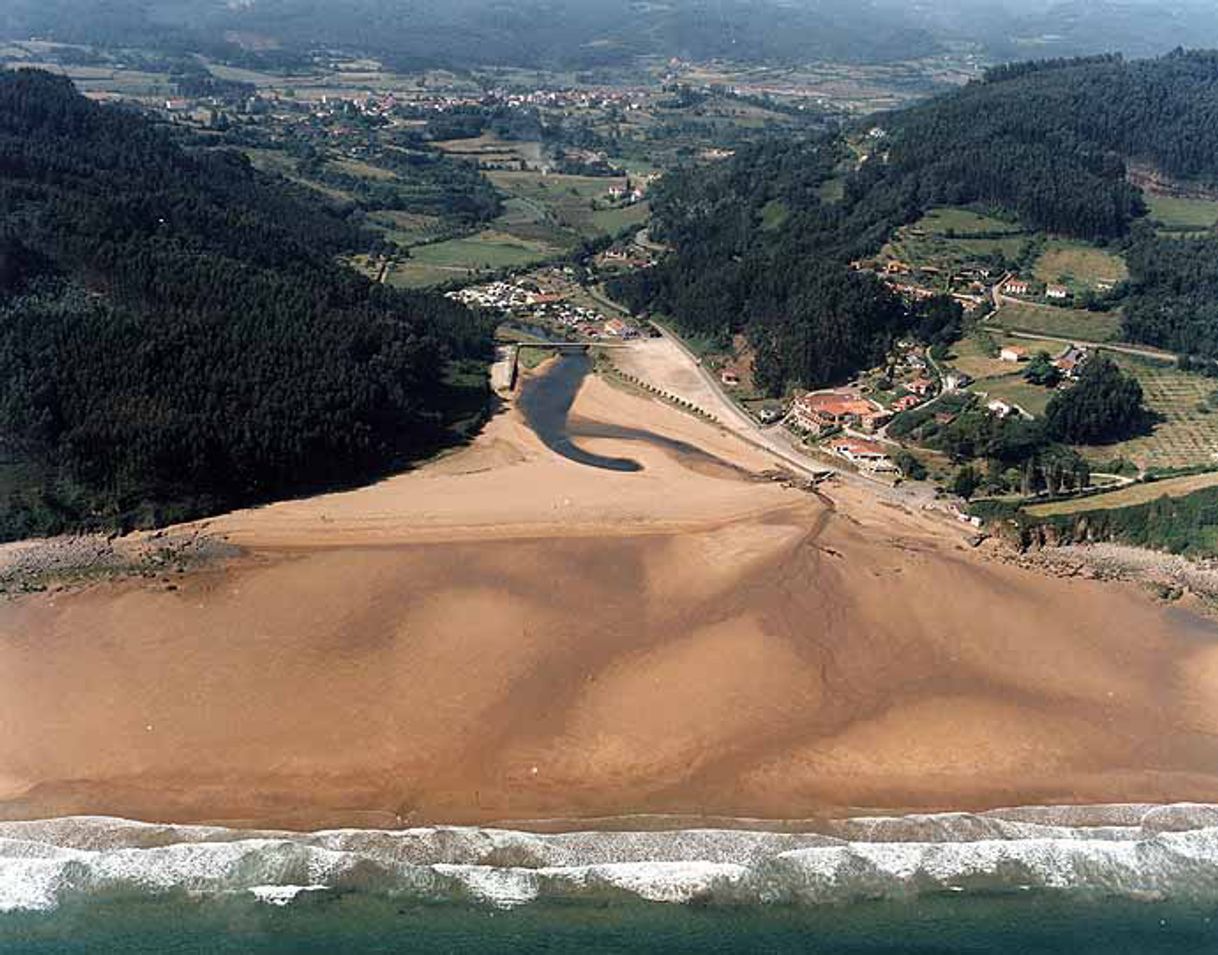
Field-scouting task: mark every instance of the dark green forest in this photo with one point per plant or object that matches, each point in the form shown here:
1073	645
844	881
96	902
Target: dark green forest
1047	142
176	336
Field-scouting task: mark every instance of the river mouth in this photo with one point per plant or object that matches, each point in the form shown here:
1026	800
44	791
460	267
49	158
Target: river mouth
546	400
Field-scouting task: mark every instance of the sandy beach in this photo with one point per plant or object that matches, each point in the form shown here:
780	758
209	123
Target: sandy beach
506	635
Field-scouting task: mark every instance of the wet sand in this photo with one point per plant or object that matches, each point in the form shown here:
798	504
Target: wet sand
508	635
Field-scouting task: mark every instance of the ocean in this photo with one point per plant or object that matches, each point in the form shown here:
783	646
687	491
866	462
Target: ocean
359	923
1113	879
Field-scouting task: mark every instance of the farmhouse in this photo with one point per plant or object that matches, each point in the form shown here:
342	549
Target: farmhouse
1017	287
1057	291
866	454
921	386
1070	362
904	404
1013	353
833	409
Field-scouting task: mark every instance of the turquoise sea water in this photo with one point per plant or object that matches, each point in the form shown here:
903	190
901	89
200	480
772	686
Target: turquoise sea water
1023	923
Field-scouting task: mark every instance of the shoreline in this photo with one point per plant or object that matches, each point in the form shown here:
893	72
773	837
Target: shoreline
1140	853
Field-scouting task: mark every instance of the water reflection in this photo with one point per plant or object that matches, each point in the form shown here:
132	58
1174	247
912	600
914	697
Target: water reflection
546	403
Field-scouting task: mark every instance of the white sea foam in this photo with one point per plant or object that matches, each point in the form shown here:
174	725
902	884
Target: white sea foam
282	894
1135	851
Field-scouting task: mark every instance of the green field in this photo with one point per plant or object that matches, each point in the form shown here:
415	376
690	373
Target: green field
1012	389
458	258
951	220
952	238
613	221
1186	435
409	228
1078	266
1183	215
1072	323
774	215
1128	496
970	355
832	190
544	216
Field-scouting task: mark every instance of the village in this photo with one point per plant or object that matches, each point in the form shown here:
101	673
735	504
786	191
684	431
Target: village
544	304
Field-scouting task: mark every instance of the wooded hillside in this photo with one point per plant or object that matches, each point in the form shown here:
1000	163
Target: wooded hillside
175	334
1047	142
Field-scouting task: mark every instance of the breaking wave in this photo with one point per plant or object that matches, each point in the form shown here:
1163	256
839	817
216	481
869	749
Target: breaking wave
1133	851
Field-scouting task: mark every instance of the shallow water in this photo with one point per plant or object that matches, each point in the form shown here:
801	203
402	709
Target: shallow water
1075	880
545	401
358	923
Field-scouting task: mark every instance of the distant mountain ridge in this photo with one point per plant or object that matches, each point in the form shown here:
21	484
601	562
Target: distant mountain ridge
587	34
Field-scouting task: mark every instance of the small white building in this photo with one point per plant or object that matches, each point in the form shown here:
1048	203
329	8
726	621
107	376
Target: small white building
1013	353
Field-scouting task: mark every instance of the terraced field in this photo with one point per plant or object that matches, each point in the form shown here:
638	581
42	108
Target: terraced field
1187	433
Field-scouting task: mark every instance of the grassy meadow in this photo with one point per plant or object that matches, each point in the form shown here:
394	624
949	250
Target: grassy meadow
1078	266
1183	215
1072	323
1127	496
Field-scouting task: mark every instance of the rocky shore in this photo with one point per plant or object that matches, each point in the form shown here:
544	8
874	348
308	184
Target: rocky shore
59	563
1169	577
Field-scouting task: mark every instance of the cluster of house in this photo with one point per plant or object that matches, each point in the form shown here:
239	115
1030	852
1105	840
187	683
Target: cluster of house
1070	362
1022	288
966	285
867	455
592	98
627	194
630	257
506	296
818	412
530	304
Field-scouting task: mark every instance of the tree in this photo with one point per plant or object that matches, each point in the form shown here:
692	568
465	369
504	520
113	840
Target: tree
176	335
1041	371
966	482
909	465
1105	405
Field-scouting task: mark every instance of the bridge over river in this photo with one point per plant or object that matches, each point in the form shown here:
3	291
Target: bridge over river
507	358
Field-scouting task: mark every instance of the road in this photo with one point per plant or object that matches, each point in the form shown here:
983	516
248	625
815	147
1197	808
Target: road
1001	300
1106	346
774	438
643	240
